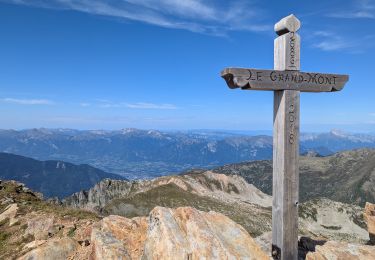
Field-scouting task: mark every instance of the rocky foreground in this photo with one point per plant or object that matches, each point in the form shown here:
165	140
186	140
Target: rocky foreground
31	228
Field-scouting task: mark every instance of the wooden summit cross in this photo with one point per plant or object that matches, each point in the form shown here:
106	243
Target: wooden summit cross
287	82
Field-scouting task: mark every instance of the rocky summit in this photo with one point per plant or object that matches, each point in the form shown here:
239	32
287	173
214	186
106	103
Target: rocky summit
230	195
206	191
32	228
182	233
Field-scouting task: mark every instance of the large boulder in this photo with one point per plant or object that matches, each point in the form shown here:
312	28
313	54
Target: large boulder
106	246
333	250
369	216
186	233
119	236
182	233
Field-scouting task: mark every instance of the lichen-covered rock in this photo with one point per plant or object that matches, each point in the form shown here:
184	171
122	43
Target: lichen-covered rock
369	216
131	232
331	220
186	233
10	213
55	249
333	250
182	233
265	242
106	246
40	226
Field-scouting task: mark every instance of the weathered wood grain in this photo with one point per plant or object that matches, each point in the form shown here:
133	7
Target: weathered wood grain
287	51
285	173
286	149
255	79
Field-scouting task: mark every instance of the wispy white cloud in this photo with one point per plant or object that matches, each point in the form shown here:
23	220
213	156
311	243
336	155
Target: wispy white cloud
137	105
28	101
151	106
329	41
360	10
332	41
211	17
84	104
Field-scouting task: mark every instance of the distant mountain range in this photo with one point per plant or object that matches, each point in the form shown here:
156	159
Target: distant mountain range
348	177
52	178
135	153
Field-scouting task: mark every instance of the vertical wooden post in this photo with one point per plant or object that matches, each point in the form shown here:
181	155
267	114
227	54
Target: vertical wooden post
287	85
286	146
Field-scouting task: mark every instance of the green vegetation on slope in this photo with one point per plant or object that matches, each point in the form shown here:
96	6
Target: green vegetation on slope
348	177
255	221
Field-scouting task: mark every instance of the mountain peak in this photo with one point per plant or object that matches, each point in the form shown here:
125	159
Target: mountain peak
338	132
129	130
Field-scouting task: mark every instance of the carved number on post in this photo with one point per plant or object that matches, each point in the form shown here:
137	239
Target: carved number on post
292	124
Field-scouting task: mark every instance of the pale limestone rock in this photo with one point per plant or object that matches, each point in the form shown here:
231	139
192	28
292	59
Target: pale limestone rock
34	244
231	188
183	233
186	233
116	237
369	216
106	246
10	213
265	242
132	232
331	220
39	226
55	249
333	250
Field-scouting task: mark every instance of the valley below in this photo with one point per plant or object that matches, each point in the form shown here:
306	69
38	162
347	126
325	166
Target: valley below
145	154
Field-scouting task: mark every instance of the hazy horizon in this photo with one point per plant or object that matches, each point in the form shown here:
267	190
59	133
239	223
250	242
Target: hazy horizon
232	131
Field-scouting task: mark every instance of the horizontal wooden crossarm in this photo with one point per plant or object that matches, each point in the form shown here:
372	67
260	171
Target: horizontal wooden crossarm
255	79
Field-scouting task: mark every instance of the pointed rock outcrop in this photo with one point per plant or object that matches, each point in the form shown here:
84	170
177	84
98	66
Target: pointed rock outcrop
369	216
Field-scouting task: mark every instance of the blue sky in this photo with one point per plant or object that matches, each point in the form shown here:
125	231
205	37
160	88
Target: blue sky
113	64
